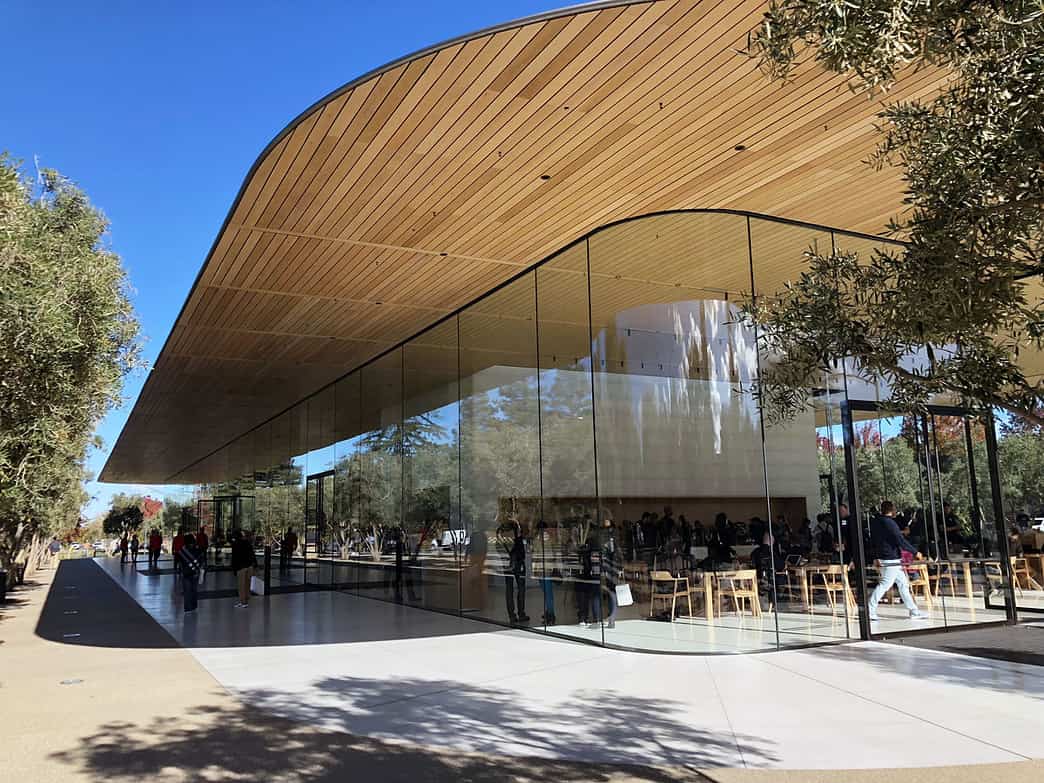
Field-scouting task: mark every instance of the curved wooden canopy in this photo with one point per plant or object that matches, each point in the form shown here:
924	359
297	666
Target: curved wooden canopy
410	191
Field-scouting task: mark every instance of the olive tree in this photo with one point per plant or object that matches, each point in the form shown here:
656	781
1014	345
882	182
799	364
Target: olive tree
951	312
68	336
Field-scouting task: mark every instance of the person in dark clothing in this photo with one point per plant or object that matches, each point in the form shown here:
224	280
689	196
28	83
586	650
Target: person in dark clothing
287	549
155	545
888	543
685	533
202	544
756	530
244	561
123	548
725	529
191	566
609	567
585	586
666	527
510	537
803	539
955	537
176	546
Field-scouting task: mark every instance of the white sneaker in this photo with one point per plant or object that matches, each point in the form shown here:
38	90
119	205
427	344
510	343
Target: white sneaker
919	616
875	619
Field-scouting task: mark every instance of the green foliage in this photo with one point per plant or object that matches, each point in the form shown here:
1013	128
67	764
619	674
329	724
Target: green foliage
950	314
122	519
68	336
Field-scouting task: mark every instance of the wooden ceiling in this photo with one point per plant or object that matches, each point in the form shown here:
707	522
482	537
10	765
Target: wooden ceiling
410	191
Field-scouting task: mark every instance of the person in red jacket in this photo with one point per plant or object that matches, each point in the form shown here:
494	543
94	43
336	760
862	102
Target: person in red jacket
202	543
175	547
155	545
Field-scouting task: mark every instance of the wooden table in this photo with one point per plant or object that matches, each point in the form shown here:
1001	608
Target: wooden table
966	564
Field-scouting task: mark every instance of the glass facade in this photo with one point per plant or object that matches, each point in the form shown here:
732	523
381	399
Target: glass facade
579	453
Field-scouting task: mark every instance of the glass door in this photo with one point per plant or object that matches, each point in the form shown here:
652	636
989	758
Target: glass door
934	470
317	546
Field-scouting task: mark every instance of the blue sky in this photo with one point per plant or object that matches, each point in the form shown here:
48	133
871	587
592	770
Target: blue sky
158	111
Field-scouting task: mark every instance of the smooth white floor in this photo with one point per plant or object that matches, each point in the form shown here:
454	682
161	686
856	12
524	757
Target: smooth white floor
403	674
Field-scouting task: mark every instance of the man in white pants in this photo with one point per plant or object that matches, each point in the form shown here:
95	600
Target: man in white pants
888	542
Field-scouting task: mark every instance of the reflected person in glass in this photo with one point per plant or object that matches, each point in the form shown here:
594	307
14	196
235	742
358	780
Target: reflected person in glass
513	544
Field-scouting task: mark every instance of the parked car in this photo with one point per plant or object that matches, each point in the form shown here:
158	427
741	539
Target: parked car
455	538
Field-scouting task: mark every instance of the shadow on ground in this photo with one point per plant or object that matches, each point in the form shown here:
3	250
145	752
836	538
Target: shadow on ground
106	615
245	742
978	666
604	726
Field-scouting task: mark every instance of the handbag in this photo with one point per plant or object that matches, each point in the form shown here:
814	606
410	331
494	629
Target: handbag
202	574
623	595
257	586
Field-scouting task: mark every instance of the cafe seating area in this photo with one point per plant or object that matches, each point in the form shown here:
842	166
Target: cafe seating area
807	601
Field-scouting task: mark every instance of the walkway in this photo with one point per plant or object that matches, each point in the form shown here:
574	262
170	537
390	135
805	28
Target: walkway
320	686
396	673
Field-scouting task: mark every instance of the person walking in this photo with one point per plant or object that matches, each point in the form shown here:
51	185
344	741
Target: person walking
191	568
888	544
155	546
202	544
135	545
123	548
244	561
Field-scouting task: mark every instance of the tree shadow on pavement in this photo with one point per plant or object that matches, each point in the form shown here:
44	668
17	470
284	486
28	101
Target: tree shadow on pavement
976	668
424	731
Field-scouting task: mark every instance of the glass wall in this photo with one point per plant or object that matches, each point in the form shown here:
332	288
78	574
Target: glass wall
579	452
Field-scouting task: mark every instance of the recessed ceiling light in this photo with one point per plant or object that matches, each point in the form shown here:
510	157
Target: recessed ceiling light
545	177
378	303
443	254
740	147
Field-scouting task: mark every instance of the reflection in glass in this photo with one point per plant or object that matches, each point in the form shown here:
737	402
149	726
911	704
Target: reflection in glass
579	452
566	548
499	451
434	538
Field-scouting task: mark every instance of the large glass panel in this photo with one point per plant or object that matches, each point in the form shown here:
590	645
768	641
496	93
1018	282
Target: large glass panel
808	545
265	463
293	554
568	544
348	527
679	450
1020	459
284	479
499	452
383	573
967	561
434	538
320	484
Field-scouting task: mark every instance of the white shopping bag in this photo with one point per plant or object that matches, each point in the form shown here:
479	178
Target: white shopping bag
623	595
257	585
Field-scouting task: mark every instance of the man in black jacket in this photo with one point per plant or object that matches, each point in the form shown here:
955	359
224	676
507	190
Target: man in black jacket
888	542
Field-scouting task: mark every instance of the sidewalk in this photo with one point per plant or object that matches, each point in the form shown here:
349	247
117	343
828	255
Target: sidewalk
135	705
123	701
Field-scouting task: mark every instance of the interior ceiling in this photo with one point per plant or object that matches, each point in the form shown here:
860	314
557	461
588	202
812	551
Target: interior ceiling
416	188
